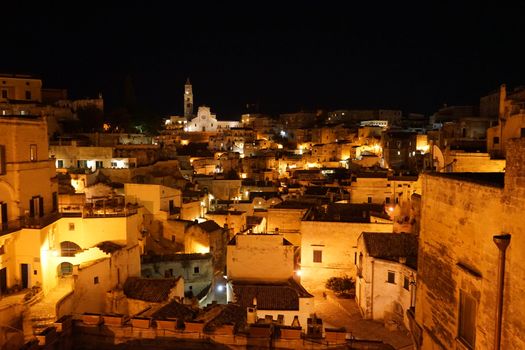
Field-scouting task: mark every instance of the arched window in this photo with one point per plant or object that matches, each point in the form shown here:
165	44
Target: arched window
65	269
69	248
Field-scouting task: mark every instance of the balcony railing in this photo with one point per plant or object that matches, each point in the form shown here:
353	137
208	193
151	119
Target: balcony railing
28	222
109	212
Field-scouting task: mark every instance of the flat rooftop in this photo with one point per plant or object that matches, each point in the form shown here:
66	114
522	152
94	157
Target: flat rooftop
486	179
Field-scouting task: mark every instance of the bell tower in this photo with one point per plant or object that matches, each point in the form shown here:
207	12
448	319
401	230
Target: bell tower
188	100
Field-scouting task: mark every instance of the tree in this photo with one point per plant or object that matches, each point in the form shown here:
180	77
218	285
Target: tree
341	285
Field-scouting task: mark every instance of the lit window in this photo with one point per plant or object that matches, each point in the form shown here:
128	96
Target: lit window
32	153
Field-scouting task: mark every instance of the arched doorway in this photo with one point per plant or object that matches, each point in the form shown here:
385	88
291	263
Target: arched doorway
68	248
65	269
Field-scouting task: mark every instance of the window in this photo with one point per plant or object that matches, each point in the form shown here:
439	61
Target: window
60	163
35	272
95	280
99	164
55	201
68	248
196	270
28	95
32	153
36	206
387	200
4	93
2	160
467	319
318	256
522	132
406	283
391	277
369	199
71	226
495	140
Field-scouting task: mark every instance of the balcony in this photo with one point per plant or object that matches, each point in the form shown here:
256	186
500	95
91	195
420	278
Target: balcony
90	211
28	222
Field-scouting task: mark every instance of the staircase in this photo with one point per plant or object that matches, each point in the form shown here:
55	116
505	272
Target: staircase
43	313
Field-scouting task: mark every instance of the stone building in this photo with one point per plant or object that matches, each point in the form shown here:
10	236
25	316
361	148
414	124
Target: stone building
196	269
73	259
511	121
467	221
261	271
399	149
19	87
386	275
188	100
329	240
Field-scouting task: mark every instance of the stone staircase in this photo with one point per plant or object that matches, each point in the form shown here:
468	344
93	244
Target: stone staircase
43	313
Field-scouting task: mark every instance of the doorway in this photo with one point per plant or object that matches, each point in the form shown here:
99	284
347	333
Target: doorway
24	271
3	216
3	280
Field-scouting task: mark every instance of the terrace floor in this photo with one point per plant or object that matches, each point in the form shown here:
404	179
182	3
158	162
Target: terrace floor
337	312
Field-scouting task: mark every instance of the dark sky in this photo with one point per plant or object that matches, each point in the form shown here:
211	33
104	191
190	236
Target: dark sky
285	56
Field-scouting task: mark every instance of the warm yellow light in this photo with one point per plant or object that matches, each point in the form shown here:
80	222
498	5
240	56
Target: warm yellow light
199	248
312	165
279	146
184	142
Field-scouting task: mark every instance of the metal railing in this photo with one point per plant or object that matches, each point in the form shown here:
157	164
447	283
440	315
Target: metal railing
37	222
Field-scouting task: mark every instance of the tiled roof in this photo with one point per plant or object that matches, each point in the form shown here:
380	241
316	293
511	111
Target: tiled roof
276	296
109	247
174	310
316	191
293	205
145	259
264	194
231	314
154	290
209	226
349	212
392	246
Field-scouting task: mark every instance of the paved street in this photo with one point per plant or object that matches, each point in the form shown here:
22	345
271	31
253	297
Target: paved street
337	312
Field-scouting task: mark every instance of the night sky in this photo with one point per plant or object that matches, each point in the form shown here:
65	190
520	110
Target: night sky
282	57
